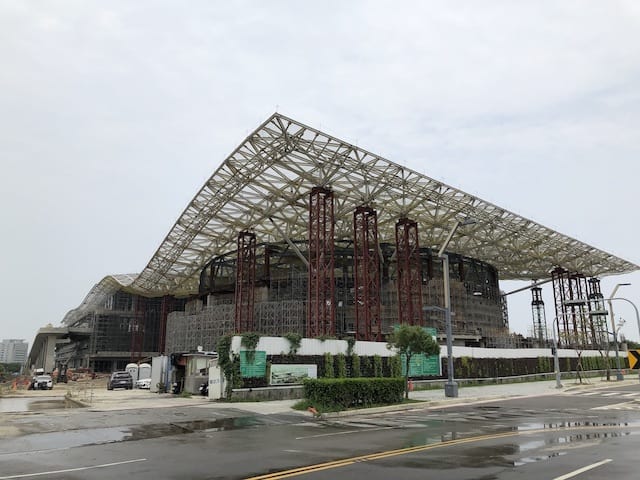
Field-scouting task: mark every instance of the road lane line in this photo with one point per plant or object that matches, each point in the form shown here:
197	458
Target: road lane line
420	448
582	470
78	469
30	452
374	456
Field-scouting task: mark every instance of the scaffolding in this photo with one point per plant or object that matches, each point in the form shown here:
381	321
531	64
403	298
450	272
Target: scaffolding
367	275
539	318
574	325
245	282
321	305
409	273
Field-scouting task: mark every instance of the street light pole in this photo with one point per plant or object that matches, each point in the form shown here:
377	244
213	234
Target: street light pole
619	375
634	307
450	387
556	360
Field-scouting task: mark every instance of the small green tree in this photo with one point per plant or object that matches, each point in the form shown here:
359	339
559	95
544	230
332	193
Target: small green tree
409	340
365	367
377	366
341	366
355	366
328	366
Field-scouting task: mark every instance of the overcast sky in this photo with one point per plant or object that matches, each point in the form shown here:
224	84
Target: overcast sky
113	114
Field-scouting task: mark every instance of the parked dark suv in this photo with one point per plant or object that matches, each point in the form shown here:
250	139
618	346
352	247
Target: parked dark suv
120	380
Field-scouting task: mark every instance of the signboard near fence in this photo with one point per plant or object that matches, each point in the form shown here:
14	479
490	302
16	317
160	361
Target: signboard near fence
422	365
282	374
255	368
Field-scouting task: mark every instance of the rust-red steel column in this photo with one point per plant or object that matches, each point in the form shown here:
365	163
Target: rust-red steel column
569	290
409	273
367	274
321	285
165	308
245	282
137	328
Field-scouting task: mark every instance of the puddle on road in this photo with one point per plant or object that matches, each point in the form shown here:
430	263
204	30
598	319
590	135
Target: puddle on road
177	428
34	404
550	442
41	442
94	436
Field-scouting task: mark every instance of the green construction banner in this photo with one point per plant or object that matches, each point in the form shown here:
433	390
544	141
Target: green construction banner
255	368
422	365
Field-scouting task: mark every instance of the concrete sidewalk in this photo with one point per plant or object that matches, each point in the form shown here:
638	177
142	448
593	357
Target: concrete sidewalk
104	400
95	397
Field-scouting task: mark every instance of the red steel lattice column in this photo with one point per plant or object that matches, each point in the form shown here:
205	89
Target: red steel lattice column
409	273
245	282
321	312
167	305
367	274
137	328
571	327
597	323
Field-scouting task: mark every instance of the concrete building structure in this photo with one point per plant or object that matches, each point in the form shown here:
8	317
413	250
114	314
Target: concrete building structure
13	350
298	231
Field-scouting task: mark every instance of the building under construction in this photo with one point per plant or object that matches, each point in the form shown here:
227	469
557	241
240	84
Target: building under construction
297	231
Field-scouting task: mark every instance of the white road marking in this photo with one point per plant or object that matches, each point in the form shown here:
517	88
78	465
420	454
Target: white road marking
29	452
340	433
79	469
582	470
610	394
586	394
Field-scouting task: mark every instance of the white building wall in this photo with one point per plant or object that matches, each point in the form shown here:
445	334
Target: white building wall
312	346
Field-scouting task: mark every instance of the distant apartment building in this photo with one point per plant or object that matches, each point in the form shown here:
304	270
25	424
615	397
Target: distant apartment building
13	350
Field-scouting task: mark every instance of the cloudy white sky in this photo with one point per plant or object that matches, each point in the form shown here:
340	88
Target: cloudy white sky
113	114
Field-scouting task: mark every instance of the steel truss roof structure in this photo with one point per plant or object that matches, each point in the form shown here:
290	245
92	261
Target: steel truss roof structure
264	185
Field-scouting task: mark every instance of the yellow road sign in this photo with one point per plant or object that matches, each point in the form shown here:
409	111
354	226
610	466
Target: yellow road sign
634	358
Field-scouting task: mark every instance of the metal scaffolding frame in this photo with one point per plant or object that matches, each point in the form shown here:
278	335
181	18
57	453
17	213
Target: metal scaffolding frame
367	274
321	311
598	313
245	283
409	273
574	324
538	313
137	328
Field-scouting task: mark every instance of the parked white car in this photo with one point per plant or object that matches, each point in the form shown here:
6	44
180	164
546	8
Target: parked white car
143	383
41	382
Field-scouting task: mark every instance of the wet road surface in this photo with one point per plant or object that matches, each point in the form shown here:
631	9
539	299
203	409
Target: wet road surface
541	437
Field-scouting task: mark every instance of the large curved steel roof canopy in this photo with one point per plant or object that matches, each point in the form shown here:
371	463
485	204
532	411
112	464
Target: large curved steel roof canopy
264	186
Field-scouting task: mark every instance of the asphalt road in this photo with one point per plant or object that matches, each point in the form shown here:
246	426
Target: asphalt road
584	434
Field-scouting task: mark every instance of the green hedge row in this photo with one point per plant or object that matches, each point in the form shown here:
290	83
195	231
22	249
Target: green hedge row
354	392
467	367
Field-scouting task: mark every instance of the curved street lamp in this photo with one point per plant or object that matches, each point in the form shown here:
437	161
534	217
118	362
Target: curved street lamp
619	375
451	387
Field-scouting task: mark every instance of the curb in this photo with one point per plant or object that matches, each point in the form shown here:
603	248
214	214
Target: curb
427	404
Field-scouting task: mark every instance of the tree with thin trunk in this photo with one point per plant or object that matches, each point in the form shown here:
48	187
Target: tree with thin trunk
410	340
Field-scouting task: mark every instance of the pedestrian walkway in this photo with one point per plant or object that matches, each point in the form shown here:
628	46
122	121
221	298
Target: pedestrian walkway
547	387
99	399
